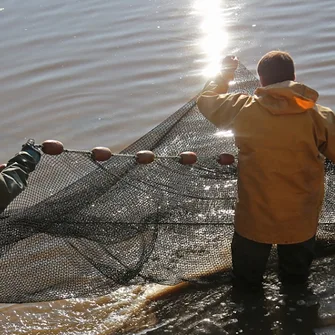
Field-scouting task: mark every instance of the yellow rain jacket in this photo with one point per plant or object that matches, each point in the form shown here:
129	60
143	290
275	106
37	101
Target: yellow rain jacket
280	132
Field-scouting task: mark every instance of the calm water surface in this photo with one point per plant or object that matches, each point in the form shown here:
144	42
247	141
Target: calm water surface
98	72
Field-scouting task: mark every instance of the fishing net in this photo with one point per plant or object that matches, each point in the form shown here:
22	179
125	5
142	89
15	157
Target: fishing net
85	228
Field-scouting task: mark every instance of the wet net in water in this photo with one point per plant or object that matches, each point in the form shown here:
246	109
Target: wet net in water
84	228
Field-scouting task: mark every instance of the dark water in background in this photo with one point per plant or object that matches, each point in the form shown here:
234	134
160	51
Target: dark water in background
104	72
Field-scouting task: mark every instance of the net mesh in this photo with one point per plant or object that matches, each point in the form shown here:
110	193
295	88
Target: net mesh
84	228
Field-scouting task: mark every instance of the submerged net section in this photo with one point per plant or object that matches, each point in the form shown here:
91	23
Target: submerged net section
84	228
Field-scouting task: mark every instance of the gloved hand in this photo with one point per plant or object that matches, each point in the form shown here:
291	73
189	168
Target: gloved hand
230	63
32	150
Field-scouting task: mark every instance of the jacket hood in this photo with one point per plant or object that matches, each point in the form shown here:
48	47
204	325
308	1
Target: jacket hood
287	97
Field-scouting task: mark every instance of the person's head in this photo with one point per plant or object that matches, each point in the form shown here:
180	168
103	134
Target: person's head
275	67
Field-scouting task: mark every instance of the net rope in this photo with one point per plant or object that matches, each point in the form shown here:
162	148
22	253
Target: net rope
84	228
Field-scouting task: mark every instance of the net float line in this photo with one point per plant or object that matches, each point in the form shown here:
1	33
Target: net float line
101	154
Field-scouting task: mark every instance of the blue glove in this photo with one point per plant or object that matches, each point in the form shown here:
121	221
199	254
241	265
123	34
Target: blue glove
30	148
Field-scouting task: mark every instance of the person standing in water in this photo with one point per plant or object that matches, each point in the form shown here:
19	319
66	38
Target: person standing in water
282	135
14	175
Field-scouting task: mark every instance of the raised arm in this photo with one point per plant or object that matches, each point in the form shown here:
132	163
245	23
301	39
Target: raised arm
215	103
13	178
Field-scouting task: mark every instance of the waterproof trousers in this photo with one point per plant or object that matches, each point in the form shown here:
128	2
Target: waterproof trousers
250	258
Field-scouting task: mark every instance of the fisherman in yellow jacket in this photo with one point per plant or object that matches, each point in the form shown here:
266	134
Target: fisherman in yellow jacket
282	135
13	177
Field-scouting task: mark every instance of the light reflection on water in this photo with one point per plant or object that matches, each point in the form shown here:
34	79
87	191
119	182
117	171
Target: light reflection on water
215	37
222	133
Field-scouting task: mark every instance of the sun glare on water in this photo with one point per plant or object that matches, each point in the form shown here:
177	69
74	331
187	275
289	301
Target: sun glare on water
214	38
223	133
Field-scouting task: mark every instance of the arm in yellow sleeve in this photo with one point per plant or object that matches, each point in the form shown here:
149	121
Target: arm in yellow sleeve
220	107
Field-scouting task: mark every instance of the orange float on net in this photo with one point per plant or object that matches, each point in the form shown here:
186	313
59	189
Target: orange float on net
2	166
52	147
226	159
145	157
187	158
101	154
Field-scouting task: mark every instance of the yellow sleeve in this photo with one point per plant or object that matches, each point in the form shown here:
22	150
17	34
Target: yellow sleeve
221	109
327	138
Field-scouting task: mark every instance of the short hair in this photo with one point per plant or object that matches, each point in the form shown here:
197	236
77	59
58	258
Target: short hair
275	67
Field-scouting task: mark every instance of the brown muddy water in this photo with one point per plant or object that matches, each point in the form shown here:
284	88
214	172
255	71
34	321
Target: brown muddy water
98	72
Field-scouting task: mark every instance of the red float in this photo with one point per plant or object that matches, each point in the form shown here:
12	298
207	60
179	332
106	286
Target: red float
52	147
226	159
101	154
145	157
2	166
187	158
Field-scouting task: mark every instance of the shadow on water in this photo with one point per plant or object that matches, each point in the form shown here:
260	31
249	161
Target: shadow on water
221	309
